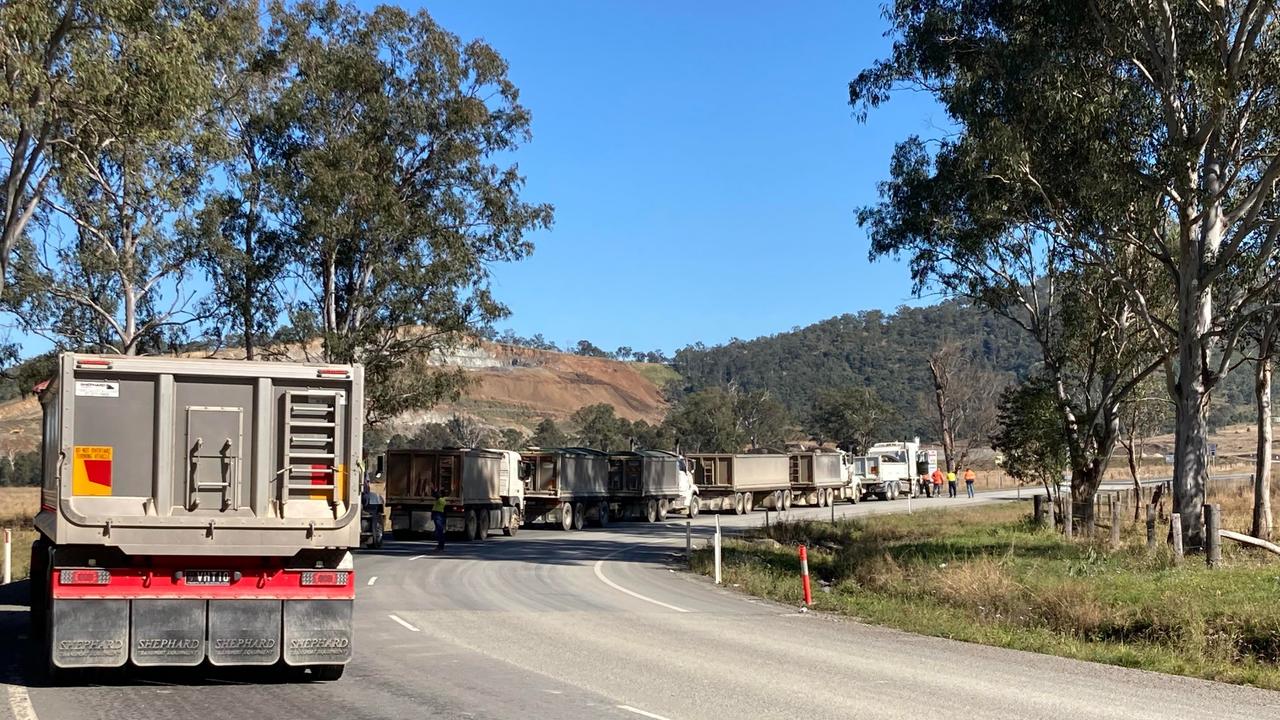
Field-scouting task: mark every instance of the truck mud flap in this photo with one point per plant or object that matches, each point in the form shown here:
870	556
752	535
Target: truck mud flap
244	632
90	633
167	632
317	632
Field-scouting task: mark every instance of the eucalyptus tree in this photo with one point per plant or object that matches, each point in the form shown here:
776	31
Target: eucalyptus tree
1141	135
396	188
110	270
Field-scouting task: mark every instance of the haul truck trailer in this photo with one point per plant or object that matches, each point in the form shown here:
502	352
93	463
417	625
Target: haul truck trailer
650	483
818	478
481	488
566	486
741	483
198	510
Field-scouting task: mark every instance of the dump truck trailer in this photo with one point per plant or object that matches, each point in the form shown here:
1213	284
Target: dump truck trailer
568	487
650	484
818	478
741	483
197	511
481	488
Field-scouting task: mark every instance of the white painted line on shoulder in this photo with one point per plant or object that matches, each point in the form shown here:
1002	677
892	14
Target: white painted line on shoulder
417	557
402	622
373	580
600	574
19	702
638	711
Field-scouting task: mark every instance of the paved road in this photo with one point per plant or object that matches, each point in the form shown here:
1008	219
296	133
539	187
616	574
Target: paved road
601	624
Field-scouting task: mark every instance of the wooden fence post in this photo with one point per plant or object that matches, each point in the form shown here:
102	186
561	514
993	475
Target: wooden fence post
1175	529
1037	503
1067	519
1151	527
1212	536
1115	527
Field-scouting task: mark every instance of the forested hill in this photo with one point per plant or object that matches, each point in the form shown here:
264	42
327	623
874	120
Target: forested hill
886	353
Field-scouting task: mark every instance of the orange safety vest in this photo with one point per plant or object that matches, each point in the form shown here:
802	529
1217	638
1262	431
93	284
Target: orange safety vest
937	477
970	476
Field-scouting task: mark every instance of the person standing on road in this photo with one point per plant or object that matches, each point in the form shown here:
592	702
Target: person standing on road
951	483
969	477
937	482
437	518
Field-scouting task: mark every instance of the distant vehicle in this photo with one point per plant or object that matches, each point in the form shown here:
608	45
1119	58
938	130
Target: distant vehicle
818	478
197	511
651	484
373	518
568	487
855	469
482	491
892	469
741	483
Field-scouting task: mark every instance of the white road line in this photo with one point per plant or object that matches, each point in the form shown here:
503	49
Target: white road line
19	702
599	568
638	711
417	557
373	580
402	622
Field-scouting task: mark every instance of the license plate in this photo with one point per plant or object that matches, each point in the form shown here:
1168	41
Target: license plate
208	577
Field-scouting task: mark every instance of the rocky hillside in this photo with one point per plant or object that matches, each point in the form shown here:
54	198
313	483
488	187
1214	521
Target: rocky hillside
514	387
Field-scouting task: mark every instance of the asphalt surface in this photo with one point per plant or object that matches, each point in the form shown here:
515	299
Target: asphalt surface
604	624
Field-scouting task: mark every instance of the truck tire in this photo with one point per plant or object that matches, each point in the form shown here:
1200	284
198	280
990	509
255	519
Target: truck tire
482	524
651	510
663	508
470	525
39	587
604	514
375	541
566	516
739	504
786	500
327	673
748	503
513	526
579	516
693	507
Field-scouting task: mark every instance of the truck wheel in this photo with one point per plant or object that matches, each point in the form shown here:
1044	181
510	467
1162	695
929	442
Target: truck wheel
513	526
566	516
739	504
693	507
378	532
39	587
663	508
579	516
604	514
853	496
651	510
327	673
482	524
748	502
470	526
786	499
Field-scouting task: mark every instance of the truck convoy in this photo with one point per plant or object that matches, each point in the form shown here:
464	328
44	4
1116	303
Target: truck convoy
198	510
481	488
892	469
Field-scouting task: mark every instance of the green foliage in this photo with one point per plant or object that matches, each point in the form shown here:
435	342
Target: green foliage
887	354
854	418
23	468
588	349
548	435
706	421
512	439
600	428
1030	435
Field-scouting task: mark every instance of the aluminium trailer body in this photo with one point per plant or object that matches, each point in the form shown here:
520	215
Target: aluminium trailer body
650	483
481	488
198	510
818	478
741	482
892	470
568	487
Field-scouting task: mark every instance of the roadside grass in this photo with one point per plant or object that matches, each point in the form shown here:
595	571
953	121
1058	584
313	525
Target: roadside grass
18	507
986	575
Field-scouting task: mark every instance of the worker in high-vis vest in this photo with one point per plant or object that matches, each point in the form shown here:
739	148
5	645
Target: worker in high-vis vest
969	477
437	518
951	483
937	482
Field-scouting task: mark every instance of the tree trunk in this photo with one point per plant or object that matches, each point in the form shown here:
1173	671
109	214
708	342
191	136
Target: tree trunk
1084	486
946	432
1262	467
1133	472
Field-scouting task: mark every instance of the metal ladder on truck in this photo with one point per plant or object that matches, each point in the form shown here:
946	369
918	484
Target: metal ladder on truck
312	445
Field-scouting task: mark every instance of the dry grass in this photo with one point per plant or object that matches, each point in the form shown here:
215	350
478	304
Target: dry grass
18	505
985	575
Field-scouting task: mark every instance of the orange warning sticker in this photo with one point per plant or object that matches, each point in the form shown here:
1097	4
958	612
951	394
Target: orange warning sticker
91	471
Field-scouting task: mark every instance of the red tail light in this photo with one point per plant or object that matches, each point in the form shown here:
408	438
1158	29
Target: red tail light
326	578
93	363
84	576
333	372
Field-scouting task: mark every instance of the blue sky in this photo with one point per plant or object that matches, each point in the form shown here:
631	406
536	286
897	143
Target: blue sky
704	164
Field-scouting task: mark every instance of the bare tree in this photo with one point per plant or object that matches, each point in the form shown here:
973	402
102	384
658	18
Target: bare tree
1267	340
966	399
466	431
1142	415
